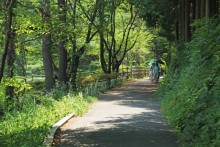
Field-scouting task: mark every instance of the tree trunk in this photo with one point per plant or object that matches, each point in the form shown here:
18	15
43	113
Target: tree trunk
9	35
202	8
47	62
101	36
10	64
177	30
192	16
214	7
182	7
77	54
187	22
117	66
62	73
119	54
198	9
218	7
102	54
112	51
193	11
207	8
46	50
75	65
74	71
9	51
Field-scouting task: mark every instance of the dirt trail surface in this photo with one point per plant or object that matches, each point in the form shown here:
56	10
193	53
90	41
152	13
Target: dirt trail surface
128	116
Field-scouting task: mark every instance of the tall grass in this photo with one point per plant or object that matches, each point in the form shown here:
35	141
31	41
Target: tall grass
38	112
29	126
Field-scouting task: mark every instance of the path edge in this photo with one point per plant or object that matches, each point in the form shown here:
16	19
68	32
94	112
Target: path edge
48	140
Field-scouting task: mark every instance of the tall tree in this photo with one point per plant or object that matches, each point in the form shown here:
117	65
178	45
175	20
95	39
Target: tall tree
46	47
112	50
126	43
186	20
79	50
10	47
101	11
62	73
197	11
9	40
202	8
207	8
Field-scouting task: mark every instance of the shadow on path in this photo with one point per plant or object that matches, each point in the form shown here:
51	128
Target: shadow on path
127	116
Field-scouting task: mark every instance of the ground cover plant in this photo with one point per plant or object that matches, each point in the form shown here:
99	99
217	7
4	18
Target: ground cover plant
190	92
30	126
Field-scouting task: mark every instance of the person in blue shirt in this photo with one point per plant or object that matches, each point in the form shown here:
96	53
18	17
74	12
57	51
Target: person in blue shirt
154	72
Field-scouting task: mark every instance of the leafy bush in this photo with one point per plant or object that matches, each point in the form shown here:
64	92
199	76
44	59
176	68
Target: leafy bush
190	92
19	86
92	78
29	126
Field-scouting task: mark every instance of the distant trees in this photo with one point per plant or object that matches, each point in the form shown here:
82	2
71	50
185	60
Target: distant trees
173	19
119	31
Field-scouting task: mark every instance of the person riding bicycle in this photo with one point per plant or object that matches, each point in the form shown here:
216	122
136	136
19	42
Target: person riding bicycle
155	72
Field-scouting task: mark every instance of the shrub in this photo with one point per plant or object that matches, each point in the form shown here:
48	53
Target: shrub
190	92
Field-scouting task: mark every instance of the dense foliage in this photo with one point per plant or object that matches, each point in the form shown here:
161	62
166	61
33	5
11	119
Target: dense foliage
30	126
49	44
190	92
61	45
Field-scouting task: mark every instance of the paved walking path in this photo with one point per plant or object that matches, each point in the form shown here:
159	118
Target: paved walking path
128	116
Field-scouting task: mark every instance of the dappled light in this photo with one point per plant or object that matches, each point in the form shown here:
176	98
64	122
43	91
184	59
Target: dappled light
126	116
61	56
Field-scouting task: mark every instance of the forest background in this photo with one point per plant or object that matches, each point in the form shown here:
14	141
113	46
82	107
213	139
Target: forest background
50	49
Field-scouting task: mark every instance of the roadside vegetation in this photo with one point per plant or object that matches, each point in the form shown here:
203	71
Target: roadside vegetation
29	126
52	50
29	123
190	92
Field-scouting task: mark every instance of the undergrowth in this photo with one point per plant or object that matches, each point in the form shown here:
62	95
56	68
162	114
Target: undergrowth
29	126
190	93
35	113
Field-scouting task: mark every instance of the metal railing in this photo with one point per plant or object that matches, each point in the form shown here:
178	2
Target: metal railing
122	76
101	86
104	84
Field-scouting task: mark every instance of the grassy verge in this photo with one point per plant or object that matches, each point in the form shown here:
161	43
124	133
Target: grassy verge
29	126
38	113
